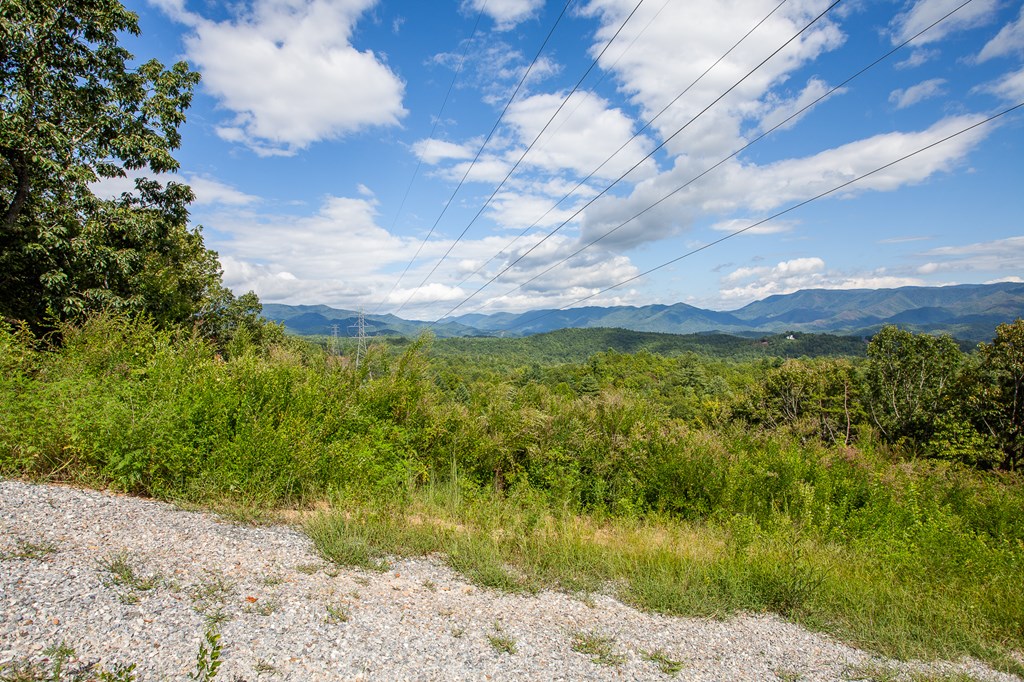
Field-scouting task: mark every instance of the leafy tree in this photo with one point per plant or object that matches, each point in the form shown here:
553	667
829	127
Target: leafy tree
911	380
818	395
73	110
999	398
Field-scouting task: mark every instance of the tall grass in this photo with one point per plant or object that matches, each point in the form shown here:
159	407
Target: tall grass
522	485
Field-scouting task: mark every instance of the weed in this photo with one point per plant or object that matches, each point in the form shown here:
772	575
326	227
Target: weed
263	667
502	643
308	569
211	594
361	580
786	675
458	632
208	657
598	647
59	655
30	551
337	614
665	664
272	579
430	585
122	573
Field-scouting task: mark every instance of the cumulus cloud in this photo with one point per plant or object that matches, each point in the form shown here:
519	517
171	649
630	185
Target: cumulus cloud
208	191
997	256
434	151
917	93
288	71
505	13
1009	40
918	57
1010	87
673	52
922	13
736	186
780	110
754	283
585	132
770	227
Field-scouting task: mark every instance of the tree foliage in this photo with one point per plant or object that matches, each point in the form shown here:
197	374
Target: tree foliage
998	398
75	109
910	381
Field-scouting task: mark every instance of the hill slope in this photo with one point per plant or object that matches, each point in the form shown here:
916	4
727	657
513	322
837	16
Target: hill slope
968	311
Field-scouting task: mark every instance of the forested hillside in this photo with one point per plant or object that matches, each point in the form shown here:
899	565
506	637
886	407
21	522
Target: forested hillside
970	312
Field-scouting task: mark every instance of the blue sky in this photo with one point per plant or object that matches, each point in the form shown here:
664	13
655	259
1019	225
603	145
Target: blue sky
316	119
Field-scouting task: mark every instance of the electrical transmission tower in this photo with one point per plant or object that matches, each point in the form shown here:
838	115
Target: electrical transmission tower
334	339
360	327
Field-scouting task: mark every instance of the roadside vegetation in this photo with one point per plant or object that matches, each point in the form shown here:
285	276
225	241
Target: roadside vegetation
878	498
874	498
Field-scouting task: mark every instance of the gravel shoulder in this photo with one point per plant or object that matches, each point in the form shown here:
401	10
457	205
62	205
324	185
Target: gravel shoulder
287	615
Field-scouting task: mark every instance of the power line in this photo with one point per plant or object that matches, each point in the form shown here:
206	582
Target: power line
512	170
760	137
419	163
637	164
637	134
780	213
482	146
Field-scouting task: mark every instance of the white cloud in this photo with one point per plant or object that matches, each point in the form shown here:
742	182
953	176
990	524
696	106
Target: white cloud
736	186
1001	255
288	71
210	191
780	110
580	138
1009	40
747	284
770	227
341	256
433	151
207	191
922	13
917	93
1010	87
671	53
506	13
918	57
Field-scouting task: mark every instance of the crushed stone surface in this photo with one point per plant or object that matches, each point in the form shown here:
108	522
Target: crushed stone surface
283	613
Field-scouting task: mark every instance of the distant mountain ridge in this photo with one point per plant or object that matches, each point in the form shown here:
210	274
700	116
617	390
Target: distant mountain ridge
967	311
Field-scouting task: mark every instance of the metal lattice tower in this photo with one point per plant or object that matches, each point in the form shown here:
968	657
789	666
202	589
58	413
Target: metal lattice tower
360	327
334	339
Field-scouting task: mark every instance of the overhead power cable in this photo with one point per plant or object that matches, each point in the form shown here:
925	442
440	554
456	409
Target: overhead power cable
625	144
494	128
604	73
512	170
835	189
746	146
638	163
419	163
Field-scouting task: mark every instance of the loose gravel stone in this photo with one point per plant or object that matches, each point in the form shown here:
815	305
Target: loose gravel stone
283	614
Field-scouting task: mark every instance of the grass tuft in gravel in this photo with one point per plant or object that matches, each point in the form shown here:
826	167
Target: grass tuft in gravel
124	577
27	550
598	647
665	664
502	643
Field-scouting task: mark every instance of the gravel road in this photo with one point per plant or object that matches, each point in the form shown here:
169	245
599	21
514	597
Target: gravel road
284	614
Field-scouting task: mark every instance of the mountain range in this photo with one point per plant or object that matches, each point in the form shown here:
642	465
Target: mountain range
967	311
